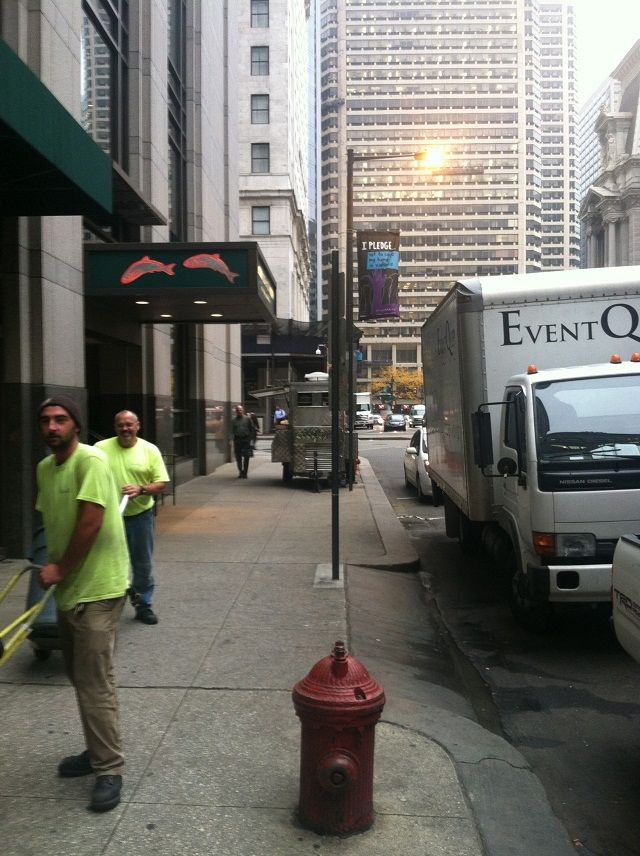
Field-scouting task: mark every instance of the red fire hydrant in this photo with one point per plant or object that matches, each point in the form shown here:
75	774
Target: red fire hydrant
339	704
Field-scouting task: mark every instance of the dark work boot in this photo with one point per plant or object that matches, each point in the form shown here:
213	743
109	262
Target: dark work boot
106	793
75	765
146	615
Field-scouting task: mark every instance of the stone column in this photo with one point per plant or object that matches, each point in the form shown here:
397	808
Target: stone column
632	205
610	260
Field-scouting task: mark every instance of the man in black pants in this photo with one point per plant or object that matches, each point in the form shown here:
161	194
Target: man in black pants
244	434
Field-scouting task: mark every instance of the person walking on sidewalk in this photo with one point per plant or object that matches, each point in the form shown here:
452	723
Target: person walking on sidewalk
140	474
89	565
244	436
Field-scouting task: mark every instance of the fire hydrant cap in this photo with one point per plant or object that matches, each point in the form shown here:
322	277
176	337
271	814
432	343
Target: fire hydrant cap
339	682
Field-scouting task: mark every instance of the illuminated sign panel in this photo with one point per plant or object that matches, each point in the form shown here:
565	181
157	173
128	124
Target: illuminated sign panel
207	283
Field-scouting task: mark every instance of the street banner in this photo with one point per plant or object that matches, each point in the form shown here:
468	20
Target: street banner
378	264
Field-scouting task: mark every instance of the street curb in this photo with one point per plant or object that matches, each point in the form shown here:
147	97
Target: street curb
401	555
498	781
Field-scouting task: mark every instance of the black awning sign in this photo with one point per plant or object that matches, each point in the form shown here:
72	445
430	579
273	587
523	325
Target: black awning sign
157	281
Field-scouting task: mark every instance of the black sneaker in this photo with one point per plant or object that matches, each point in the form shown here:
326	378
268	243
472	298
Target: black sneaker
106	793
146	615
75	765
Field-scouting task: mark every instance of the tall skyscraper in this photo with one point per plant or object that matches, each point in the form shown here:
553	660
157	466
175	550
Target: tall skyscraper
560	247
481	80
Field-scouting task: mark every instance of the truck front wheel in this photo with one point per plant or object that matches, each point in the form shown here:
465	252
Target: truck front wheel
468	534
528	608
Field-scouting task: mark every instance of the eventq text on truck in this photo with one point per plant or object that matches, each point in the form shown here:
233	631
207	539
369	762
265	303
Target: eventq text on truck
534	429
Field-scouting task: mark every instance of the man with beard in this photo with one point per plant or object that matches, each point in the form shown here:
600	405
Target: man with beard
89	565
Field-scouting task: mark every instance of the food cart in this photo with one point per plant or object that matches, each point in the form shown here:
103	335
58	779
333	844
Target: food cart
302	443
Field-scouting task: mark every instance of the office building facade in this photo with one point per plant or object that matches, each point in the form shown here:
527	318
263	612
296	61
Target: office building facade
273	158
133	141
589	147
560	247
476	79
610	210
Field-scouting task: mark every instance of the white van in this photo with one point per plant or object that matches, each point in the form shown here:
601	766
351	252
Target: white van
416	415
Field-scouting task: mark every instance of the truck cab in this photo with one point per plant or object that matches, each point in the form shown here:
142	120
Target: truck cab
568	475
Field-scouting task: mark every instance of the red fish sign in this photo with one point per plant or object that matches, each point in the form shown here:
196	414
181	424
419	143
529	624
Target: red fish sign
144	266
213	261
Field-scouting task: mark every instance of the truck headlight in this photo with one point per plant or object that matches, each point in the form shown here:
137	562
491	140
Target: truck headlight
565	545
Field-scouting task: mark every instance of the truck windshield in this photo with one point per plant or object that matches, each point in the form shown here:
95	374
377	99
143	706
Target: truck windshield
588	419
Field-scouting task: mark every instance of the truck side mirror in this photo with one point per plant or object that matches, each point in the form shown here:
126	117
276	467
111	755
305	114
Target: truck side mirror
507	467
482	442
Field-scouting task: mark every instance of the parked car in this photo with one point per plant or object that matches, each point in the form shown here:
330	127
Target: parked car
395	422
416	415
416	458
376	419
625	583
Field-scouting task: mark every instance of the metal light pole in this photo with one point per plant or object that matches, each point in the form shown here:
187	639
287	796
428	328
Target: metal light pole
436	166
349	313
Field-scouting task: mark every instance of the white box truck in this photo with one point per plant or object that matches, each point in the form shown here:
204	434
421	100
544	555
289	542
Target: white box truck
533	433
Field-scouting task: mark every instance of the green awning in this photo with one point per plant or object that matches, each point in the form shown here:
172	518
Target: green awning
48	164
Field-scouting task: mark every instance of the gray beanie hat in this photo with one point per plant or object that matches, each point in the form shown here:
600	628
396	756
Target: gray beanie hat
66	402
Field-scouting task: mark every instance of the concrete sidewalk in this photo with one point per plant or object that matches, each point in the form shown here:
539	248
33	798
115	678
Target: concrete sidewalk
212	740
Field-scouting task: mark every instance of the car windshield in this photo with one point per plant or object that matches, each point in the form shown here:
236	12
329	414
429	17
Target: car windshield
588	419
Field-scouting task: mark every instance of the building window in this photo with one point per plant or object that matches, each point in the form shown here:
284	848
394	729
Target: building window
260	220
259	13
260	157
381	356
406	355
259	60
259	109
177	105
181	348
105	76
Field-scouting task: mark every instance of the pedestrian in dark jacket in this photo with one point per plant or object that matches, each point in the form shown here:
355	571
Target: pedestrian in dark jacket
244	435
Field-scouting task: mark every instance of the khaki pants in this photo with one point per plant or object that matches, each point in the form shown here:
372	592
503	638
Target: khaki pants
87	639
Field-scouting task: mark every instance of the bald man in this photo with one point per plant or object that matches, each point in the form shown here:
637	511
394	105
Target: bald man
141	475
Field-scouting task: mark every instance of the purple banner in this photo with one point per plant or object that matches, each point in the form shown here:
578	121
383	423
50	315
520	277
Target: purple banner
378	264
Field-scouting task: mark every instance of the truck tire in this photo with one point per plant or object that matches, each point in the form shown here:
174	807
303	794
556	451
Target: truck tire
468	534
436	494
287	474
451	514
529	610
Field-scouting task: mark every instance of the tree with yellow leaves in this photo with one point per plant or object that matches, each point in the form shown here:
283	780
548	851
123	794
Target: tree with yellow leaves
400	383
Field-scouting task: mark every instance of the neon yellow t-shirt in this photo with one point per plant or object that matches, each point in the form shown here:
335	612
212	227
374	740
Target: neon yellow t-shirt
140	464
104	572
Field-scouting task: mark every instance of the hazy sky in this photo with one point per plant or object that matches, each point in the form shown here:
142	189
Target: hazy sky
605	30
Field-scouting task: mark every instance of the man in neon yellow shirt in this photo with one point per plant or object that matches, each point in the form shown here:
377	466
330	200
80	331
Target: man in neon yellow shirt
89	565
141	475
